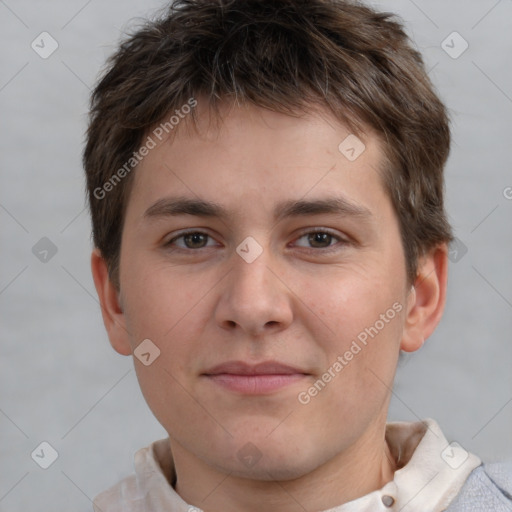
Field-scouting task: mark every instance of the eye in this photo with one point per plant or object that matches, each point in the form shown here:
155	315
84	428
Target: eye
191	239
321	239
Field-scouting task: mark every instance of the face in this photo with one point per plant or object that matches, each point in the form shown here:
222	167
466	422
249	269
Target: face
278	303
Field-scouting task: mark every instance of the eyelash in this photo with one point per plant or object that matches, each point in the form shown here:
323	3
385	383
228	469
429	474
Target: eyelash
327	249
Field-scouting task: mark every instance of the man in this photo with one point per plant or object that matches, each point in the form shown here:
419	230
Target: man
266	189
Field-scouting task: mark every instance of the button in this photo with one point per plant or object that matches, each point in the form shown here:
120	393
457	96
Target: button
388	501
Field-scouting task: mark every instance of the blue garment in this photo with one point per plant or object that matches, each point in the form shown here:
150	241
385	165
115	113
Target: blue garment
487	488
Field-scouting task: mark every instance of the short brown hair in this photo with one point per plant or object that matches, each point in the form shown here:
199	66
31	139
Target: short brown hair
283	55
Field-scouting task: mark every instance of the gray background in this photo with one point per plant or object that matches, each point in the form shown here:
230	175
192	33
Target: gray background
60	380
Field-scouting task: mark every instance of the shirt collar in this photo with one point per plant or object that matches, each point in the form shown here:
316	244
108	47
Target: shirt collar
432	471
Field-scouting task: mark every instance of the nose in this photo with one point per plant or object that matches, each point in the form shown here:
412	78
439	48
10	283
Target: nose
255	297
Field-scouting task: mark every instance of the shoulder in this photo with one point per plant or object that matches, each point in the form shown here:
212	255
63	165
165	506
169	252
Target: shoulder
488	487
148	488
117	498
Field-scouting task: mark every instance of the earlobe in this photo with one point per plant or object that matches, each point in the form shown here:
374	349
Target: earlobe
111	308
426	300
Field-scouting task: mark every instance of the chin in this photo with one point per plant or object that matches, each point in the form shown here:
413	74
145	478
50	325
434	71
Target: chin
260	456
271	470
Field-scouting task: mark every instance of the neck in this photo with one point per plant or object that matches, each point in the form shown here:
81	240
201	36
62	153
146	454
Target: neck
367	466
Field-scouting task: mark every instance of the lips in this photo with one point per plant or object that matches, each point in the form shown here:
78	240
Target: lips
257	379
265	368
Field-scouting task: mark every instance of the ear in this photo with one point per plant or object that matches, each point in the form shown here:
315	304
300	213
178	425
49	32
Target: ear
427	299
111	310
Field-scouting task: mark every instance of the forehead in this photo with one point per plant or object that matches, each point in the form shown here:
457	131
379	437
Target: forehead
252	158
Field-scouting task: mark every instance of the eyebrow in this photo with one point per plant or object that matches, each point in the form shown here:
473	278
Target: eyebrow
175	206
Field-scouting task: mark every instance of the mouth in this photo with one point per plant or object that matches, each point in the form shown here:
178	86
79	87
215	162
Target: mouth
258	379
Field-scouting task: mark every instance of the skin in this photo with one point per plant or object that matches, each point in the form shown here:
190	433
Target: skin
202	304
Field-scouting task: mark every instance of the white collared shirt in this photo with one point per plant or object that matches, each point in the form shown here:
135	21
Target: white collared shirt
432	473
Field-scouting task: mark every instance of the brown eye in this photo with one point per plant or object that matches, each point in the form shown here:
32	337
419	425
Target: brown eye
321	239
195	240
191	239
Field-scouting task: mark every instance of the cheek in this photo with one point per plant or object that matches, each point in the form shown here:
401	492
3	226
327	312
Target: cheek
347	303
362	315
165	307
161	297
